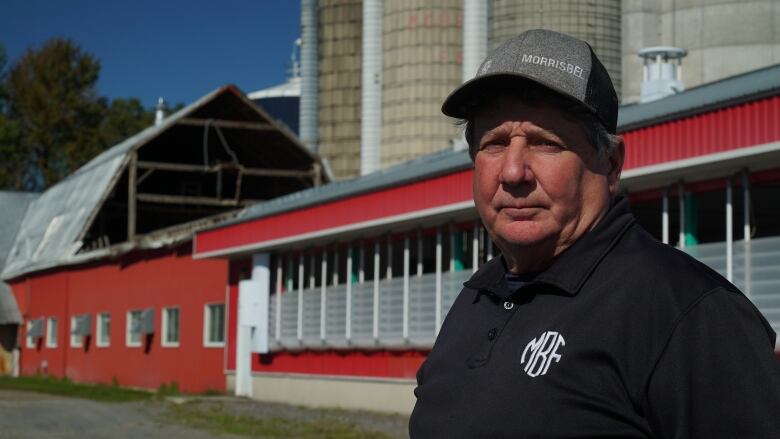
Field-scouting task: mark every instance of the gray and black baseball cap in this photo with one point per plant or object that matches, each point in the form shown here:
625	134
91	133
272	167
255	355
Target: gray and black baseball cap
561	63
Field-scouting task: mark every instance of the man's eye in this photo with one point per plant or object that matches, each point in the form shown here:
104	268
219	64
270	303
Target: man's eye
549	144
492	146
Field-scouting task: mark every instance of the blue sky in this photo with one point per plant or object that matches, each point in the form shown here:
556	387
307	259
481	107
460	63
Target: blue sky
177	49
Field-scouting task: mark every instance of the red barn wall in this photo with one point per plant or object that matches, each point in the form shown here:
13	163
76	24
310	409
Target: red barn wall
140	280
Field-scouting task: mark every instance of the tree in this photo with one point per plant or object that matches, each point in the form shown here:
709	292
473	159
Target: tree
122	119
10	136
52	119
52	97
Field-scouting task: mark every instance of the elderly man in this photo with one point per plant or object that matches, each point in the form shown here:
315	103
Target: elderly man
585	326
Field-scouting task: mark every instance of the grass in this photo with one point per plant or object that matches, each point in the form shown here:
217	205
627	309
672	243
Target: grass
217	420
65	387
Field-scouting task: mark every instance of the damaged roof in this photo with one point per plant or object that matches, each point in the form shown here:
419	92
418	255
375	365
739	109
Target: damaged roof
54	226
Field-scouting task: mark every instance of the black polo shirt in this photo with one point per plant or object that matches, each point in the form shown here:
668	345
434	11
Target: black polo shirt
621	336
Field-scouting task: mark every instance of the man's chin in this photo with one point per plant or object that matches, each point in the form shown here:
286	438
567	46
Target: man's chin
523	232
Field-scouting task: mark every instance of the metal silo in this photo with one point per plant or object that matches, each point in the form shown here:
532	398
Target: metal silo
423	44
340	33
596	21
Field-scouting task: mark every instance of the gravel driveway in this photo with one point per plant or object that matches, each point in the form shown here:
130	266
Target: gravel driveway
31	415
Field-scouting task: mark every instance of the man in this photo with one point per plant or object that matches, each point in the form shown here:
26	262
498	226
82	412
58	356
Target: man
585	326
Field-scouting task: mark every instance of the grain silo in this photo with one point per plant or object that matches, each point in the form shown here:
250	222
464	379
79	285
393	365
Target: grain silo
423	43
596	21
340	33
722	38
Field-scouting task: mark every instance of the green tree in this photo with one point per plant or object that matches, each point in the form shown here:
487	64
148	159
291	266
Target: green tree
52	97
122	119
10	136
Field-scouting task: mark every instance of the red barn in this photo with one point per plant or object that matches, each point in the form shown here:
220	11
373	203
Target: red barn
101	266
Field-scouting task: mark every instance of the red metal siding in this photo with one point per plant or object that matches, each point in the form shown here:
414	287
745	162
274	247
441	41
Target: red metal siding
137	281
440	191
740	126
384	364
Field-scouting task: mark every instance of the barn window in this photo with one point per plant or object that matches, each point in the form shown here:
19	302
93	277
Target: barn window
214	325
133	335
170	327
103	330
51	332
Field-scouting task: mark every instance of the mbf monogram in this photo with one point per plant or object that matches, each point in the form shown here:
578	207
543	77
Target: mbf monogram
541	352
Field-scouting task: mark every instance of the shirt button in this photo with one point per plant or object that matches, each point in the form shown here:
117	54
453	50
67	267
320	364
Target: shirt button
508	305
492	334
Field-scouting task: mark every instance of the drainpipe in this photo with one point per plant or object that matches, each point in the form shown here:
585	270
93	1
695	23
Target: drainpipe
309	103
371	111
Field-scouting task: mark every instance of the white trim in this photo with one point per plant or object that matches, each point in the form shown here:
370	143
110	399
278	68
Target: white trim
375	311
76	341
99	330
164	327
703	167
51	339
207	323
330	232
348	323
299	327
129	324
323	292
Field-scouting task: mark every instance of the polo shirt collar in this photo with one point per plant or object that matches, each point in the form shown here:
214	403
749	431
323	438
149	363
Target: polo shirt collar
570	269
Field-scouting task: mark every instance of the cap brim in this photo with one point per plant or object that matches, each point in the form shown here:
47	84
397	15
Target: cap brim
460	103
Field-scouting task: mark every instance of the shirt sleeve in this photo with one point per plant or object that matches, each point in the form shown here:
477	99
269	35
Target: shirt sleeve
718	376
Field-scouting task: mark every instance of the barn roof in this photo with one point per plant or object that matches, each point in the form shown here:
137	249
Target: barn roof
56	225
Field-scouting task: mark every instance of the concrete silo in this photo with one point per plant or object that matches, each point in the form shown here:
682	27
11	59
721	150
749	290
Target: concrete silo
423	43
723	38
340	56
596	21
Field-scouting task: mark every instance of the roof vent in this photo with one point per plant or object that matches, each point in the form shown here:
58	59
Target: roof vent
159	114
662	72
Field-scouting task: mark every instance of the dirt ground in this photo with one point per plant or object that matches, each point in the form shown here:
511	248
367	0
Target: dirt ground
30	415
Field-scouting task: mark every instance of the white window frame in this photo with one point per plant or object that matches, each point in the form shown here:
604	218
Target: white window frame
51	337
76	341
99	330
207	325
164	333
30	341
129	324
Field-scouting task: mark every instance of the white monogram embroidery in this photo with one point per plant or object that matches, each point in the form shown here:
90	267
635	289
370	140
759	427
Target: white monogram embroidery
541	352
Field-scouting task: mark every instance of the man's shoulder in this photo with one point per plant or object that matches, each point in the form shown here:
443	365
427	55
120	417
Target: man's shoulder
649	270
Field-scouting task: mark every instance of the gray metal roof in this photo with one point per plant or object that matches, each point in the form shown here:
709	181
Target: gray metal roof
54	222
725	92
717	94
13	206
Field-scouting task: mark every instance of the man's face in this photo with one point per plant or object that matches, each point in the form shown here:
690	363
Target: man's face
538	183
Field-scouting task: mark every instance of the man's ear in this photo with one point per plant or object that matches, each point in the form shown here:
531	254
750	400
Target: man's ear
616	166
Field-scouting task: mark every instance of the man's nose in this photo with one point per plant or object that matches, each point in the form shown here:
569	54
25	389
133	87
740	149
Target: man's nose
515	167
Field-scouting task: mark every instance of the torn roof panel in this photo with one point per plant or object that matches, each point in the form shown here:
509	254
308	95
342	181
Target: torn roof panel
53	222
